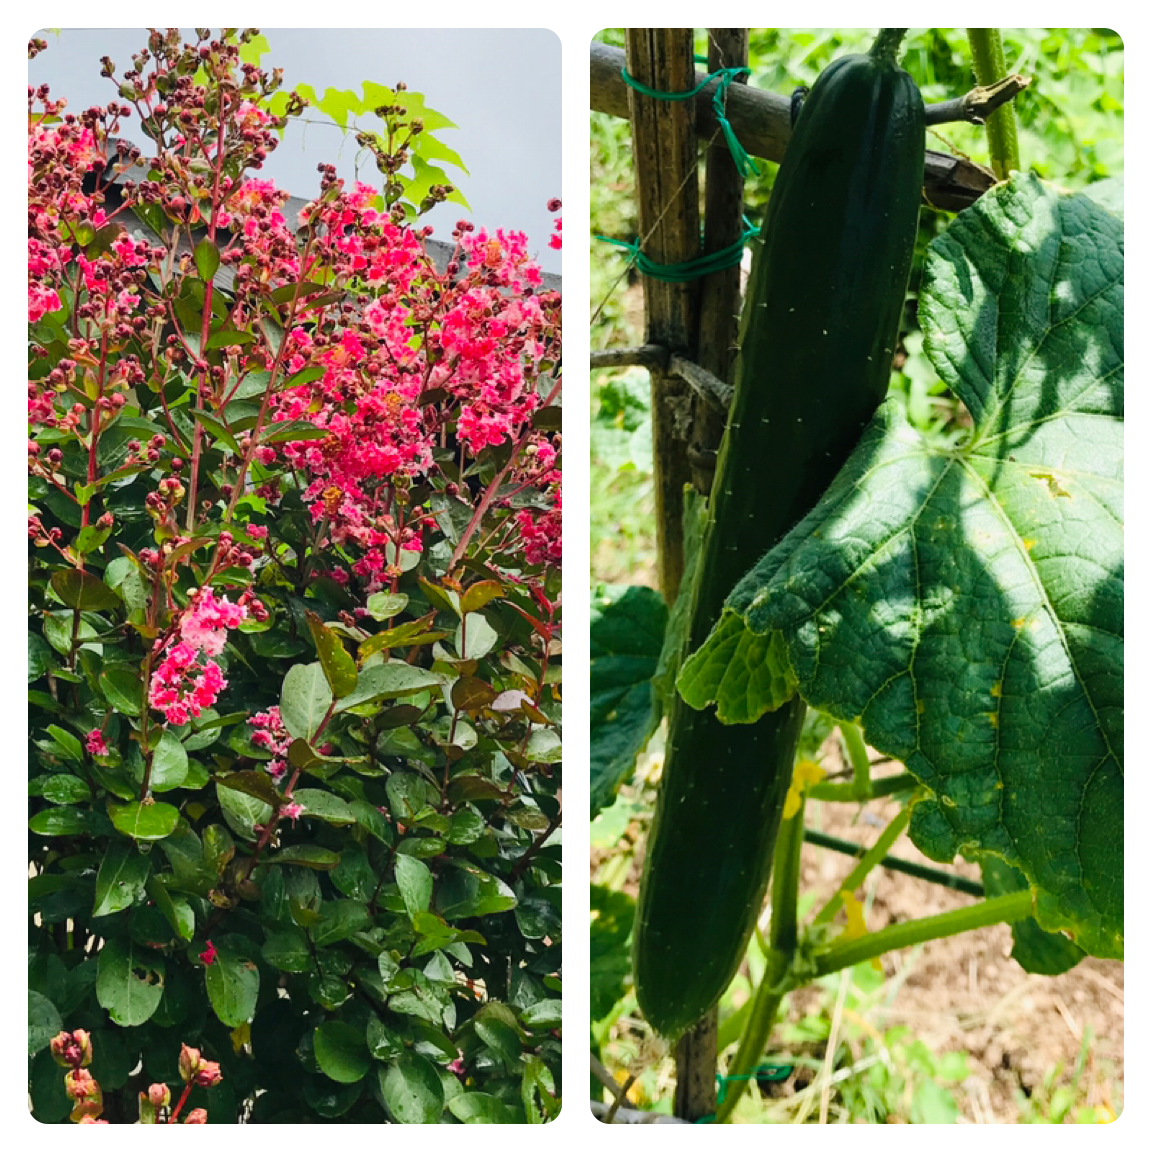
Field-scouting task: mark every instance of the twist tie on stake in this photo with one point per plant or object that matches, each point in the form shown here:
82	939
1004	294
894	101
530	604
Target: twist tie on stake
744	163
764	1074
687	270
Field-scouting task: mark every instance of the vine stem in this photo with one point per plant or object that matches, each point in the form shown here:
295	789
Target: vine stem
988	64
783	936
1007	908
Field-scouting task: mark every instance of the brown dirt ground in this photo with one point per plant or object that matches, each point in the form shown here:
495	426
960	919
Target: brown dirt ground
965	993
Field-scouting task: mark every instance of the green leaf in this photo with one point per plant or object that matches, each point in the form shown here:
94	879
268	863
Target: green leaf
543	1014
383	1042
307	856
412	1090
122	689
304	700
207	259
120	881
129	981
44	1022
384	605
324	806
1047	953
387	682
70	747
339	920
169	763
626	632
341	1051
233	982
475	637
966	606
414	879
480	1108
466	891
339	667
144	821
252	783
287	948
64	789
543	747
228	338
242	811
499	1037
175	909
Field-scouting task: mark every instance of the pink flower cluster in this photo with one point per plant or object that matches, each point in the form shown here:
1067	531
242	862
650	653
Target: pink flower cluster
182	686
271	734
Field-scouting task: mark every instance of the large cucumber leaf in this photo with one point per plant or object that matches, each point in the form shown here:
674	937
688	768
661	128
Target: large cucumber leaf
966	606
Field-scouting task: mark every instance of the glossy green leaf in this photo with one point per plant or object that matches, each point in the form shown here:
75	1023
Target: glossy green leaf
307	856
233	982
966	605
387	682
144	821
341	1051
63	788
304	700
339	667
475	637
383	1042
122	689
412	1090
258	785
480	1108
339	919
287	948
467	891
324	806
129	981
120	881
207	259
414	879
384	605
169	763
242	811
44	1022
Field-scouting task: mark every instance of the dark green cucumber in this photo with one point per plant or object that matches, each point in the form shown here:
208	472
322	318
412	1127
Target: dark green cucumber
820	324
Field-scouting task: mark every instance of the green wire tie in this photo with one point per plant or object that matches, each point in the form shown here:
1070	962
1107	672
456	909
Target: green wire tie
687	270
765	1073
745	165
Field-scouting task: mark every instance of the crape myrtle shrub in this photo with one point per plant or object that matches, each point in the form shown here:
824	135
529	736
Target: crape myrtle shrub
294	617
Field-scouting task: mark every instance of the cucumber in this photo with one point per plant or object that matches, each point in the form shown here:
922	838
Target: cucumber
819	327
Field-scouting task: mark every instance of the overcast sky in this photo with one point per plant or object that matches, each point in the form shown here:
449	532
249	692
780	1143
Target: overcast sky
500	87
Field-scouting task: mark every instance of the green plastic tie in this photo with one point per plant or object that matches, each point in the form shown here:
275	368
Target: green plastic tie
745	165
765	1073
686	270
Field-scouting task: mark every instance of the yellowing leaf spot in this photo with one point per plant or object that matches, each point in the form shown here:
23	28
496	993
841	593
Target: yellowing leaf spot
995	690
993	719
1028	543
241	1037
919	707
1019	622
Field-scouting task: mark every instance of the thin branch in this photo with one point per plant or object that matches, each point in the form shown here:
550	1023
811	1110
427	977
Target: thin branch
976	106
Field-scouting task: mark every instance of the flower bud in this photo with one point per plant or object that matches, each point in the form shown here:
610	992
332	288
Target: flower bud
72	1049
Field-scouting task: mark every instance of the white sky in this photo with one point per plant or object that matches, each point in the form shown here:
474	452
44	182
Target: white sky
507	117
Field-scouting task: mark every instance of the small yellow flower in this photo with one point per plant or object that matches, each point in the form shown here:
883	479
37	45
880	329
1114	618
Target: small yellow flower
804	775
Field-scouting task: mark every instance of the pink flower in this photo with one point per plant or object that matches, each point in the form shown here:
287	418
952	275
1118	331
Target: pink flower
292	811
196	1116
95	743
208	956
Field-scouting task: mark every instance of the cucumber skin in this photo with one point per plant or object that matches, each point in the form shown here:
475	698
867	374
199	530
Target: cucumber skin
817	337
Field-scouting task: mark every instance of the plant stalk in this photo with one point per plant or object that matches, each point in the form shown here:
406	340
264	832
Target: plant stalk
988	66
